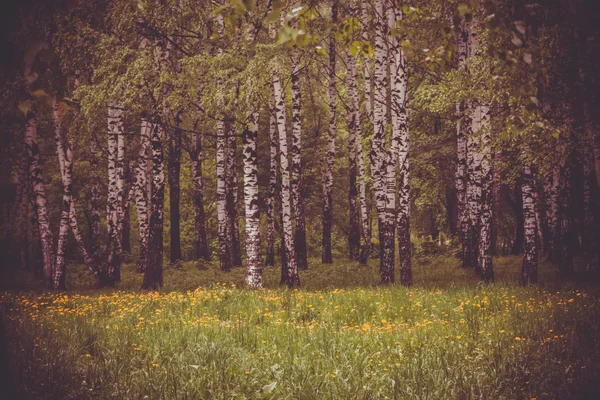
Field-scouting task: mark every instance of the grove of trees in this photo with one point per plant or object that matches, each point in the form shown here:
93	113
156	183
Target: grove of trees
246	132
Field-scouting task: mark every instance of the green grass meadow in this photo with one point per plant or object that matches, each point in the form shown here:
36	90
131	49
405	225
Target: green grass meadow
342	336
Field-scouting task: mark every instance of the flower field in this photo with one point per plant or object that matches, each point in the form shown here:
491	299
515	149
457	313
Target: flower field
453	340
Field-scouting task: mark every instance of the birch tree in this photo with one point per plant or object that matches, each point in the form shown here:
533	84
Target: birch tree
114	204
379	154
326	257
530	257
140	189
200	238
298	201
253	261
39	195
353	127
271	190
400	149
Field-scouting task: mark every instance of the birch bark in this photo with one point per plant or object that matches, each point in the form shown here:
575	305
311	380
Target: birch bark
253	262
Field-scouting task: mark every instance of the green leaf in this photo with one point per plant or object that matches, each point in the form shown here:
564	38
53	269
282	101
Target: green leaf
462	9
272	16
220	9
249	4
355	48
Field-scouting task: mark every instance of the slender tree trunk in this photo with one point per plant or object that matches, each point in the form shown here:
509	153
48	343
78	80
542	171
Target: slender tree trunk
65	158
326	257
364	19
379	155
270	257
39	194
400	140
115	190
495	206
530	257
153	275
127	195
541	241
481	127
232	200
253	262
174	165
94	212
141	192
293	279
353	128
552	184
201	242
463	125
298	202
224	256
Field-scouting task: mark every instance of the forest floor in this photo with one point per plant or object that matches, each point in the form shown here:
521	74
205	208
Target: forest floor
342	336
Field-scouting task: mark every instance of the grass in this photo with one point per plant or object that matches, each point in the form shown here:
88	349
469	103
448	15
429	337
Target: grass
340	337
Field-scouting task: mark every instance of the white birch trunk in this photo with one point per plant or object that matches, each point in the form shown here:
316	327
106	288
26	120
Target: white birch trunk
483	156
253	262
326	257
140	190
379	155
293	280
298	202
66	168
400	139
114	202
530	257
270	256
39	194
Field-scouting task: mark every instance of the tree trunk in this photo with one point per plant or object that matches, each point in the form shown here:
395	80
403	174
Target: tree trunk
233	230
379	155
141	192
201	242
530	257
298	202
462	129
115	190
127	194
94	212
293	279
253	264
39	194
153	275
65	158
541	240
326	257
481	127
400	152
224	256
270	257
174	165
353	128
